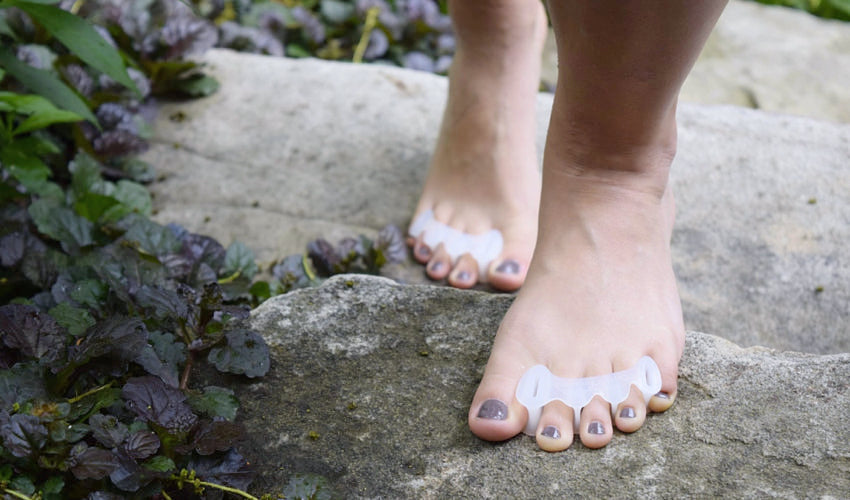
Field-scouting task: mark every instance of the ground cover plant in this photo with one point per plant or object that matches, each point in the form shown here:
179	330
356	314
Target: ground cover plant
106	313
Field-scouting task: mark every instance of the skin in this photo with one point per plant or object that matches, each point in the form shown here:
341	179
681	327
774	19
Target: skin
598	291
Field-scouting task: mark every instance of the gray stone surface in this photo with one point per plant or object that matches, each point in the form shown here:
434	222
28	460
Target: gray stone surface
291	150
766	57
382	375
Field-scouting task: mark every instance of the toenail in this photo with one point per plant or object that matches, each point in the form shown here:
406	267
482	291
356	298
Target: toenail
596	427
436	266
424	251
662	395
627	412
493	409
463	276
509	266
550	431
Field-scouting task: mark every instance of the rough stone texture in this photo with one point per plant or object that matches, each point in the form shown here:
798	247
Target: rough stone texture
747	423
766	57
291	150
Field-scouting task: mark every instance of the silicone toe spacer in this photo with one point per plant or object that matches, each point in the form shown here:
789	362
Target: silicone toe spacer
538	387
482	247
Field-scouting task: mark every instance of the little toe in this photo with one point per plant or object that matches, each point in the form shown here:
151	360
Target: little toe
555	430
465	272
631	413
663	400
440	264
595	429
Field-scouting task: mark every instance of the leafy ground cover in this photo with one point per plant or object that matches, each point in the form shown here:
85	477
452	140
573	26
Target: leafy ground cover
107	314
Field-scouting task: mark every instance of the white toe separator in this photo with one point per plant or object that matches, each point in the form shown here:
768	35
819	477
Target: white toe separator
538	387
482	247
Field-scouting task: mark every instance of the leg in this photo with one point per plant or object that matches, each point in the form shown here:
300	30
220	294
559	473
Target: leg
483	174
600	291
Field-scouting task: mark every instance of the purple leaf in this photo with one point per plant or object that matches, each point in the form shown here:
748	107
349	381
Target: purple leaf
35	333
23	435
149	398
92	463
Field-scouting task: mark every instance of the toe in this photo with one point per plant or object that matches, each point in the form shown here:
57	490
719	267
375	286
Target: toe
631	413
440	264
663	400
555	430
465	272
421	251
507	274
595	428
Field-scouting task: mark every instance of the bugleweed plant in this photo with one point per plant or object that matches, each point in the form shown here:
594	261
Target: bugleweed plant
106	314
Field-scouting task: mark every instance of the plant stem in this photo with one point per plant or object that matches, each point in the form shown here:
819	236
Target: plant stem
16	494
184	379
368	26
89	393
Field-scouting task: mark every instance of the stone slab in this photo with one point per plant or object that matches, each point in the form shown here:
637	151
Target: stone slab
292	150
765	57
382	375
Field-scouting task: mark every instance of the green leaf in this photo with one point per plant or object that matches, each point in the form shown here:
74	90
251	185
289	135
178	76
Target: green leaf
61	224
53	486
93	206
23	485
197	86
151	237
81	39
307	487
134	196
75	320
215	402
239	261
160	463
89	292
45	84
246	353
41	112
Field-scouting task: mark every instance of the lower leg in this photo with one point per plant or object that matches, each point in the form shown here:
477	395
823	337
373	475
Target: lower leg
600	291
483	174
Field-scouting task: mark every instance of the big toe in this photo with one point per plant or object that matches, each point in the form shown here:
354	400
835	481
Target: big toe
495	414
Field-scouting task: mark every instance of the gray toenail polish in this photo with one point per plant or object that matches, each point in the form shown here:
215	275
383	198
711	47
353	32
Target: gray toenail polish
436	266
424	251
493	409
596	427
550	431
662	395
627	412
463	276
508	266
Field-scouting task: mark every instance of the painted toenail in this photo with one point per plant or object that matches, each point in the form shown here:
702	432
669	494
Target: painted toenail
436	266
662	395
493	409
509	266
627	412
463	276
424	251
596	427
550	431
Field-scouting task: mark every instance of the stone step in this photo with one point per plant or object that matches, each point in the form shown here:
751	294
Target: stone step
370	384
291	150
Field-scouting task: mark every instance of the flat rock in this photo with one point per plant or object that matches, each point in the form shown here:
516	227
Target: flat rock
370	384
291	150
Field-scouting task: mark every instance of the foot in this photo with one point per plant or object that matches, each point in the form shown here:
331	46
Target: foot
484	172
600	294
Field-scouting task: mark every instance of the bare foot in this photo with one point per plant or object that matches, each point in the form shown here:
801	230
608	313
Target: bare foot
600	294
483	174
